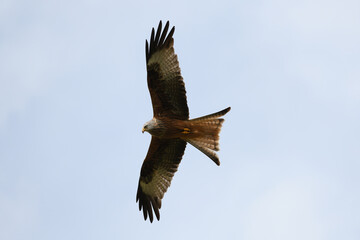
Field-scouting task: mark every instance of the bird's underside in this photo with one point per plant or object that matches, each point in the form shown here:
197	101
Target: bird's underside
170	127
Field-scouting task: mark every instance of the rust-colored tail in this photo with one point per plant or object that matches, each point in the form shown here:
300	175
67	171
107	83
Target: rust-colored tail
205	133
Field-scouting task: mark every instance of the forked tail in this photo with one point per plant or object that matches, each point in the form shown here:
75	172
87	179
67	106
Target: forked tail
205	136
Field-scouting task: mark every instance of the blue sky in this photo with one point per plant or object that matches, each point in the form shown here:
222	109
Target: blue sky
73	99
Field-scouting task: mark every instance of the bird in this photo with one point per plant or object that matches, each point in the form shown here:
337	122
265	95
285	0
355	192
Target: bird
170	128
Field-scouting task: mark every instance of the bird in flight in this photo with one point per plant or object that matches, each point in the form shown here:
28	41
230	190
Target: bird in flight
170	127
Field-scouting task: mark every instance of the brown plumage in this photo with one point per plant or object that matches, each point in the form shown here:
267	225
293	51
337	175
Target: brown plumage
170	127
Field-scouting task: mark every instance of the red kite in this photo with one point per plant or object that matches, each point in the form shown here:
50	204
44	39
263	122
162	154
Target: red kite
170	127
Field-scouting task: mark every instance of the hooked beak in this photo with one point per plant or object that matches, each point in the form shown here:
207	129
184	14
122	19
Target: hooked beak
143	130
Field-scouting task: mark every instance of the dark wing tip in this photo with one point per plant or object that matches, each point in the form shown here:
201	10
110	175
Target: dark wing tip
159	39
169	38
148	205
147	50
158	33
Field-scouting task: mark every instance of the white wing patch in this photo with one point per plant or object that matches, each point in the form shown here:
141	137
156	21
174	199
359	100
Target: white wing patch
158	185
168	62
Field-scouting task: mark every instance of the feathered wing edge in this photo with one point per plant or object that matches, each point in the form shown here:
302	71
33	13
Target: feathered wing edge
148	204
158	42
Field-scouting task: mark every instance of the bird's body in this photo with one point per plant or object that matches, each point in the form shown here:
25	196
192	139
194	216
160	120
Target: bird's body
164	127
170	127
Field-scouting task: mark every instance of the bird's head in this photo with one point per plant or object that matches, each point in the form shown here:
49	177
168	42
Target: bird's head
149	126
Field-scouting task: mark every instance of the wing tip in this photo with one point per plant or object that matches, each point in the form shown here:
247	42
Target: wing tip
148	204
159	39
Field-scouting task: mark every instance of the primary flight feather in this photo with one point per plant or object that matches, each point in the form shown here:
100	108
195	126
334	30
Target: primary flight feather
170	126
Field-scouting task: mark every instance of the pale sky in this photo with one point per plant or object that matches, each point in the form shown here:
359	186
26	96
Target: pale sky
73	99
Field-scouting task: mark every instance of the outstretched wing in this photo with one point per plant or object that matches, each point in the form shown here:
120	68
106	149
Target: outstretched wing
157	171
166	85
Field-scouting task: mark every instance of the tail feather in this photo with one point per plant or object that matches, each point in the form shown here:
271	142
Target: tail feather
206	138
207	151
213	115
